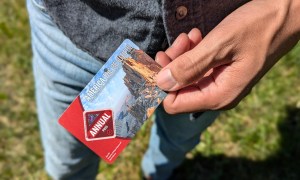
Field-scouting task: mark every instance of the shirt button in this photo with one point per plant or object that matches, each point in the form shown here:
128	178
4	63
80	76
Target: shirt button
181	12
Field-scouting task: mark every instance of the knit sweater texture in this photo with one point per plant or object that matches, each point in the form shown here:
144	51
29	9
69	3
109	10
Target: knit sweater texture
99	26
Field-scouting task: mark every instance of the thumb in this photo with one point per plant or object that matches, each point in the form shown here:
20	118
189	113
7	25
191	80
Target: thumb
186	69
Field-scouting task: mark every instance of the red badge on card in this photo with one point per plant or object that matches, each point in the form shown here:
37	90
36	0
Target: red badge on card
99	125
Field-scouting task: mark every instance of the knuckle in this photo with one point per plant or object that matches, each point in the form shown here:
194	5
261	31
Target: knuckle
170	110
189	69
216	105
216	102
223	102
230	105
221	47
184	62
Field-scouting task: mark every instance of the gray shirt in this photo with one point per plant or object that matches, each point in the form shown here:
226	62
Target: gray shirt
99	26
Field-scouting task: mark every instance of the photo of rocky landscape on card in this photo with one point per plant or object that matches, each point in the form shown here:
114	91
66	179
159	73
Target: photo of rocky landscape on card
140	72
125	85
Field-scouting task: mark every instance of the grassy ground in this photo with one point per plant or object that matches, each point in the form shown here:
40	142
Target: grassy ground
260	139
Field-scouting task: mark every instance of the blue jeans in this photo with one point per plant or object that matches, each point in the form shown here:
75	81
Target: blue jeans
61	71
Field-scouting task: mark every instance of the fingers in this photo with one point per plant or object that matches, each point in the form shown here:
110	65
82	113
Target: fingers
192	65
222	89
206	95
195	37
202	96
184	70
183	43
180	46
162	58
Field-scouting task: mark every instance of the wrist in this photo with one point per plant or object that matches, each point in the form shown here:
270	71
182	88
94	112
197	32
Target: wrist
286	28
294	17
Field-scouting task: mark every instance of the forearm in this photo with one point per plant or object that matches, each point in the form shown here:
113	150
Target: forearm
291	19
288	32
294	18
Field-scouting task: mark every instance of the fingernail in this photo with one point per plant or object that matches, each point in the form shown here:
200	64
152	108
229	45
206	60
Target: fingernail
177	41
165	80
190	34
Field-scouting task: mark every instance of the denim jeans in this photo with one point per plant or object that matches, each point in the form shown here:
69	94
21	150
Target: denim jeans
61	71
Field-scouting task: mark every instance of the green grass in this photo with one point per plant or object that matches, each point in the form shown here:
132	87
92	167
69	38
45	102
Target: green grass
259	139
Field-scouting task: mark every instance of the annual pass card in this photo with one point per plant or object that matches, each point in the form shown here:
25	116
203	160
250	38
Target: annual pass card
113	106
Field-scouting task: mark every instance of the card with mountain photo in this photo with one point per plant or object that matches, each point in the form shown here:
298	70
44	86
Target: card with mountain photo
116	102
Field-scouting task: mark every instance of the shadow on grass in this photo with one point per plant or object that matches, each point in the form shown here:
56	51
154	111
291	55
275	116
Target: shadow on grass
283	164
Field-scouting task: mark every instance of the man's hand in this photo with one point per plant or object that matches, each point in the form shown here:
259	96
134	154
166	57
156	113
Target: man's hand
219	71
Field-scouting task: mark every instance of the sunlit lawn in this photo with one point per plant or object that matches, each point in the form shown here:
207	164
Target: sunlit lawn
260	139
